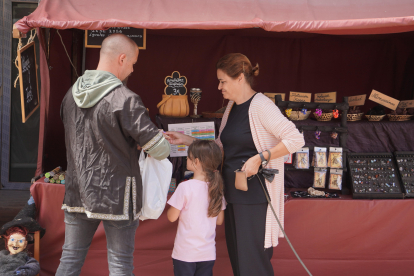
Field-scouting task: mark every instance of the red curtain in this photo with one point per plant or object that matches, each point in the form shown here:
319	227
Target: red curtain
350	65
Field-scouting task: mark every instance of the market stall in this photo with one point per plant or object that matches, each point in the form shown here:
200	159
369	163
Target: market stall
350	49
292	48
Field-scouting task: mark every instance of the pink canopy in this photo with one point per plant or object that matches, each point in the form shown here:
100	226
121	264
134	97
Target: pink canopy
316	16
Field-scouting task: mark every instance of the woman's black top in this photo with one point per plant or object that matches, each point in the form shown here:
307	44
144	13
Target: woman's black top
238	146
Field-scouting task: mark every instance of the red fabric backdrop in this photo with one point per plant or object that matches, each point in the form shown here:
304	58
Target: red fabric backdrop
338	237
350	65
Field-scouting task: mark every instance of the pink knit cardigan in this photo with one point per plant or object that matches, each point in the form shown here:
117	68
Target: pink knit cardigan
269	127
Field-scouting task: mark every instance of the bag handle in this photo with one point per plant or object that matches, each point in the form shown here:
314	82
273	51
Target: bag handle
163	101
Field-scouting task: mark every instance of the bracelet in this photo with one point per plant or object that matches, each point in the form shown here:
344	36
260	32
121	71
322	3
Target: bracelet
264	161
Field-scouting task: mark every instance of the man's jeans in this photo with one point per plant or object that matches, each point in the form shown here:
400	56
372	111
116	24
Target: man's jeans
79	231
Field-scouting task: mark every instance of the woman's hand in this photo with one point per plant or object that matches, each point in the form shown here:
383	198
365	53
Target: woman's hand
251	167
177	138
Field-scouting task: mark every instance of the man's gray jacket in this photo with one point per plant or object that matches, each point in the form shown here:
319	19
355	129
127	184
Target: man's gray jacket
103	176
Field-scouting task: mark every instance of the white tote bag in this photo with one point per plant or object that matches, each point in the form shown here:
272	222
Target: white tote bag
156	179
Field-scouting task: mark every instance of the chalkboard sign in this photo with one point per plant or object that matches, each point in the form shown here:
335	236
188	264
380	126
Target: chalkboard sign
94	38
29	93
175	84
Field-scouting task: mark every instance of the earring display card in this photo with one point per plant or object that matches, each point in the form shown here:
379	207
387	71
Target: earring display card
335	179
405	162
319	157
302	159
374	175
319	178
335	158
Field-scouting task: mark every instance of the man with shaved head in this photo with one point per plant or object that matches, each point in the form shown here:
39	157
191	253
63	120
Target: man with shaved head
104	122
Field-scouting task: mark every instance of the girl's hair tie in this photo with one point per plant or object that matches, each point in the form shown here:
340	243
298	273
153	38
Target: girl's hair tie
215	171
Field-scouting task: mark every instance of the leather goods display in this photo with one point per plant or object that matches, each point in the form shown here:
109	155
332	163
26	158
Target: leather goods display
174	101
174	106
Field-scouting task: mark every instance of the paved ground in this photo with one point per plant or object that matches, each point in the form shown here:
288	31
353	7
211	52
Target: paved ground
11	202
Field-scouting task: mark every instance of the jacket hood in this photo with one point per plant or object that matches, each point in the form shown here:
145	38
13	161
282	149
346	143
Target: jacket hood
92	86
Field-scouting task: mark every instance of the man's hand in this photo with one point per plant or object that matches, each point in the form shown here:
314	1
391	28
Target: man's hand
177	138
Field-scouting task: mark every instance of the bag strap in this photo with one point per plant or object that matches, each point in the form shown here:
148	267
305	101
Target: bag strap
163	101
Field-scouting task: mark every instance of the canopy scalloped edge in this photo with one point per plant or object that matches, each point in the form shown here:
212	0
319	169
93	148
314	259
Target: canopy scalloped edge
355	26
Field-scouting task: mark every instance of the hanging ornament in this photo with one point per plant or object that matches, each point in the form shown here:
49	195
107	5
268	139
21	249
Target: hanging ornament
318	112
335	113
318	134
334	135
288	112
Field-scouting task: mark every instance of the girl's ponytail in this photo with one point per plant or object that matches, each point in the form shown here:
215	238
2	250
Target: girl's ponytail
215	193
210	158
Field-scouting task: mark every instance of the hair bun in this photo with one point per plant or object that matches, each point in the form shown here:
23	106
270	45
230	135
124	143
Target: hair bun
255	70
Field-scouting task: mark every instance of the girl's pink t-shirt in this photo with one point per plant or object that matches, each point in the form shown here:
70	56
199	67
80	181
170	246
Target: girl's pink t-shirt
196	232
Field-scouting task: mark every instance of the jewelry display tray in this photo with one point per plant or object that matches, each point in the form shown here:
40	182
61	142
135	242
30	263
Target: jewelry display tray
405	162
374	176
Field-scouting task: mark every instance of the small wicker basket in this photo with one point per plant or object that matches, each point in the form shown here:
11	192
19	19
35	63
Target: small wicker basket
374	118
324	117
354	117
399	118
299	116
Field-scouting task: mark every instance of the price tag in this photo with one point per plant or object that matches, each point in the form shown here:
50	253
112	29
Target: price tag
357	100
329	97
300	97
406	104
384	100
175	84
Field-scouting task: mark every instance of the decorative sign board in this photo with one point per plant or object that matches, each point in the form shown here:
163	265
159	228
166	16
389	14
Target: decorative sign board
199	130
273	95
384	100
357	100
94	38
406	104
329	97
175	84
29	92
300	97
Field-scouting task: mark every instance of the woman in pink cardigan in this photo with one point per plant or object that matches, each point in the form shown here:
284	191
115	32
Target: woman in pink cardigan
252	126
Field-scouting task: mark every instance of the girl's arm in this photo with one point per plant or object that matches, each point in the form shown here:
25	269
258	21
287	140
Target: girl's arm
220	218
173	214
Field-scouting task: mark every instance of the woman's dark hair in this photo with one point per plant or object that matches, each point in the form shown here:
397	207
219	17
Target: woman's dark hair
235	64
209	155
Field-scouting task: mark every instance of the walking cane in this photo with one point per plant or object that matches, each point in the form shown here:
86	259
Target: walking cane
269	174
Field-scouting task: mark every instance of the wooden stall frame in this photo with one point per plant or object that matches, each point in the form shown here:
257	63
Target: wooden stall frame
144	47
24	117
37	246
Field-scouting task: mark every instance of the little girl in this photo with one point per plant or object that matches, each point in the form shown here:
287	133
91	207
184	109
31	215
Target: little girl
199	204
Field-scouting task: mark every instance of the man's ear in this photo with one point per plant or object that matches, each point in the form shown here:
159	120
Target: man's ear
121	59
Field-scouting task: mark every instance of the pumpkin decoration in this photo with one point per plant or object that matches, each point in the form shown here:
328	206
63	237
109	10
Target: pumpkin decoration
174	101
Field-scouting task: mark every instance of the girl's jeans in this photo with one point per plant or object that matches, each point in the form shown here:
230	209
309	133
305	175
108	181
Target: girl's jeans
79	231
